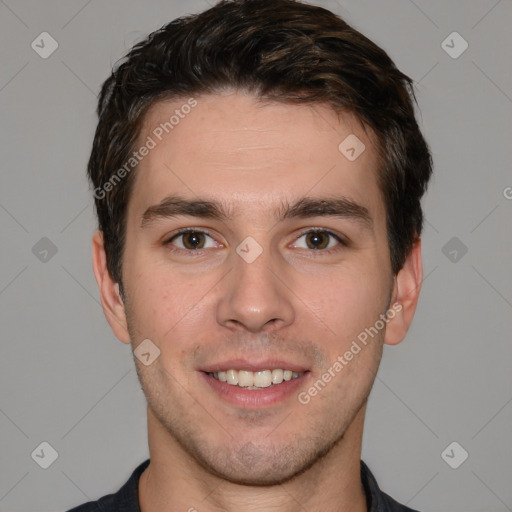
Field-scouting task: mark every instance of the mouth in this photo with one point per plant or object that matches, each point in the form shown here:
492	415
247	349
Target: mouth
255	385
260	379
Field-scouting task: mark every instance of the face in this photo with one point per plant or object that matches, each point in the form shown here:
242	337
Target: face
284	264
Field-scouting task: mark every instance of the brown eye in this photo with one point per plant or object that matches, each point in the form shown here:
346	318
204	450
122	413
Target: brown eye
193	240
320	240
317	240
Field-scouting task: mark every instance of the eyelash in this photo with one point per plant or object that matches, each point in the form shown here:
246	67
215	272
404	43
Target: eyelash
199	252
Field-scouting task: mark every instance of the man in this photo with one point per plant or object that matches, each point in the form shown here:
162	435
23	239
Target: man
257	170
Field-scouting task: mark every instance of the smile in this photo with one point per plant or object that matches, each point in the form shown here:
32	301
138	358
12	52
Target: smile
255	380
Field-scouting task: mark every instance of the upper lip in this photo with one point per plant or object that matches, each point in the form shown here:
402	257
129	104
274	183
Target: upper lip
254	365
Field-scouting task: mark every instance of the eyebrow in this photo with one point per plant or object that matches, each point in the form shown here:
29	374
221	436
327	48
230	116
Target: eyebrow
305	207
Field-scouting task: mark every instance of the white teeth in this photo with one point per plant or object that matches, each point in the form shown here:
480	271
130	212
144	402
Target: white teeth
255	380
245	379
277	376
232	377
263	379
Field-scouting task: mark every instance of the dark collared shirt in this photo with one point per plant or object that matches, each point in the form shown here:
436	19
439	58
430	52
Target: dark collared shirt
127	498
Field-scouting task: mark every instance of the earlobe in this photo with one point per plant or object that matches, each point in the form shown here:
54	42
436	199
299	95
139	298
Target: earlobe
111	300
406	291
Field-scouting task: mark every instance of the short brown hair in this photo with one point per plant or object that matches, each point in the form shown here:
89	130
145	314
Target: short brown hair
278	50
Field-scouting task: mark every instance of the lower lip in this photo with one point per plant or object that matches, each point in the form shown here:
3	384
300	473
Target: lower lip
255	398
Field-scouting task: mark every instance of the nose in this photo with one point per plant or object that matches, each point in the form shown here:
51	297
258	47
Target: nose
255	297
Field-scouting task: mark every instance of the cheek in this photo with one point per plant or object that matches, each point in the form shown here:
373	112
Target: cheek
348	300
164	303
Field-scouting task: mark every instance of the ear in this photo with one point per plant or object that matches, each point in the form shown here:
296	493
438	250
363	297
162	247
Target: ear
111	301
406	292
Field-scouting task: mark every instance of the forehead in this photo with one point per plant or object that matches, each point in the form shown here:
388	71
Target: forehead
233	148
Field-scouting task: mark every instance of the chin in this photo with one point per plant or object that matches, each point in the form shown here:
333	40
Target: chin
250	465
261	476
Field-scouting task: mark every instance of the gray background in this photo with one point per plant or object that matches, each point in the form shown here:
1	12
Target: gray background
66	380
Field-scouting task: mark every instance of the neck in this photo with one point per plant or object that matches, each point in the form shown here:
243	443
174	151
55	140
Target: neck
175	481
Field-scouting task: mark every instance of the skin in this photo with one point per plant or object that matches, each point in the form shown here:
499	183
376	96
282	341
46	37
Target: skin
293	302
